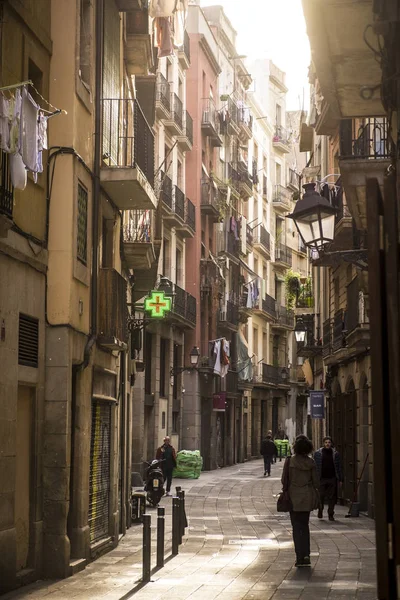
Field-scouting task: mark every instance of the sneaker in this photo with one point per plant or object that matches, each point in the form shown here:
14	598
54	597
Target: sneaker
331	518
320	514
167	494
265	472
306	561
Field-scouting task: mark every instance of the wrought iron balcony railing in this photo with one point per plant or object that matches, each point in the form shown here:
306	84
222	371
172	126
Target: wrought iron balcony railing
113	309
282	195
249	235
209	195
177	110
166	190
264	186
364	140
339	328
183	303
326	338
285	316
163	92
139	226
209	114
293	179
281	135
263	237
274	374
233	110
179	202
230	314
188	126
190	214
6	188
283	254
245	117
128	140
269	305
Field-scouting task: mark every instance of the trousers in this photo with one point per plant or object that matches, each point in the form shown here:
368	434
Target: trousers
328	491
168	477
301	533
267	464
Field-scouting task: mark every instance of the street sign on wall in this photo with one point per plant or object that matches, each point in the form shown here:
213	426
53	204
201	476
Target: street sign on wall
317	404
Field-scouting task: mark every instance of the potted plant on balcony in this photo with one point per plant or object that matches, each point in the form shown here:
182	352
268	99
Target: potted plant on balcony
292	288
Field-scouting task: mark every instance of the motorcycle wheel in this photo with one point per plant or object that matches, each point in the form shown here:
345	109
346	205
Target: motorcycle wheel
152	498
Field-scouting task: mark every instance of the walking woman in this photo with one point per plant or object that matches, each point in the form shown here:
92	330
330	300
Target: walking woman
303	492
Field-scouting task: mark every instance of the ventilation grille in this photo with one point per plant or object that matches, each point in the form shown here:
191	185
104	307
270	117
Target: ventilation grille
28	341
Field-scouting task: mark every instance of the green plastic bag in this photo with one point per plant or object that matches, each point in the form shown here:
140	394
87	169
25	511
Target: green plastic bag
188	464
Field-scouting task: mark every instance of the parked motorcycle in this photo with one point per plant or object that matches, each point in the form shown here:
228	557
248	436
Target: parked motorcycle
154	485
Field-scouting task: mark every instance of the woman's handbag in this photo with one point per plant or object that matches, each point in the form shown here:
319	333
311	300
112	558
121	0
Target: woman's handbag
284	503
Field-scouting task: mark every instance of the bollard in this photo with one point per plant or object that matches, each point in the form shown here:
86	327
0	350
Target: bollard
178	489
180	517
146	560
280	452
175	525
184	519
160	536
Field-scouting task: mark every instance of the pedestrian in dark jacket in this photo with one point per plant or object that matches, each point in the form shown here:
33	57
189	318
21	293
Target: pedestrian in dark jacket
268	451
329	469
303	493
167	453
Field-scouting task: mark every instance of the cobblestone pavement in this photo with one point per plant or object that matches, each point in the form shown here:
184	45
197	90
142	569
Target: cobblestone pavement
237	547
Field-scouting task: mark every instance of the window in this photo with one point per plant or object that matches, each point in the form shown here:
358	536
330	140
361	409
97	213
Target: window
85	39
36	76
163	366
179	269
163	420
278	115
82	224
175	421
278	174
166	258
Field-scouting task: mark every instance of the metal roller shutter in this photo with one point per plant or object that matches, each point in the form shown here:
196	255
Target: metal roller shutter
99	484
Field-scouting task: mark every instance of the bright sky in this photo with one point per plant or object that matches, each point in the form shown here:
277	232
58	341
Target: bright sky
273	29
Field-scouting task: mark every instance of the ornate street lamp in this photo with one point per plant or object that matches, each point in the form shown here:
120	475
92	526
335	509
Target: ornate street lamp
284	374
300	331
194	356
314	218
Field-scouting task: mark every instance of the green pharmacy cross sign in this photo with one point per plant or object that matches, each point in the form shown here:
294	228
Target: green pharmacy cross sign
157	304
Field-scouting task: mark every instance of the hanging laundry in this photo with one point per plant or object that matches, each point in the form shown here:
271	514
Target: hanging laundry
15	116
42	140
164	37
162	8
179	22
18	171
4	123
29	131
225	355
217	356
249	302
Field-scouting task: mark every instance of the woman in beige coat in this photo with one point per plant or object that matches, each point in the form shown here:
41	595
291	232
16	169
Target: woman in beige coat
303	492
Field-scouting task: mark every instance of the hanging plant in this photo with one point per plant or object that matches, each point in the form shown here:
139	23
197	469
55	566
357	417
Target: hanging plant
292	288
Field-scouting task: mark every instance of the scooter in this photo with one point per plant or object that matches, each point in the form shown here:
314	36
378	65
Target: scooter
154	485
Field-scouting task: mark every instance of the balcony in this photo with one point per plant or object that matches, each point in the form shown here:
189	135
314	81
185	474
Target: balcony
210	275
233	176
233	127
267	307
228	244
284	319
245	184
302	247
281	199
188	227
163	97
174	123
138	43
249	238
272	375
210	199
138	240
343	61
293	181
185	141
264	186
281	139
262	241
183	306
357	322
113	310
311	346
127	169
339	328
6	195
326	338
175	215
184	52
210	122
283	256
166	195
305	299
228	317
364	153
245	120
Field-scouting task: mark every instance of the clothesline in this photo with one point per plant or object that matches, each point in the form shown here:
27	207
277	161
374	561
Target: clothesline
30	82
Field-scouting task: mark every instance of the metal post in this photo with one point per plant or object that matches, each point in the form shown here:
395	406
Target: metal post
280	452
184	519
178	489
146	560
180	517
160	536
175	525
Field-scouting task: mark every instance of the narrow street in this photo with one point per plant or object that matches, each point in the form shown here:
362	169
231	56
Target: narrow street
237	546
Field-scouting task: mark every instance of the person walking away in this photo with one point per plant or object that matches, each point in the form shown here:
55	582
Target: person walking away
303	493
329	469
268	451
167	453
